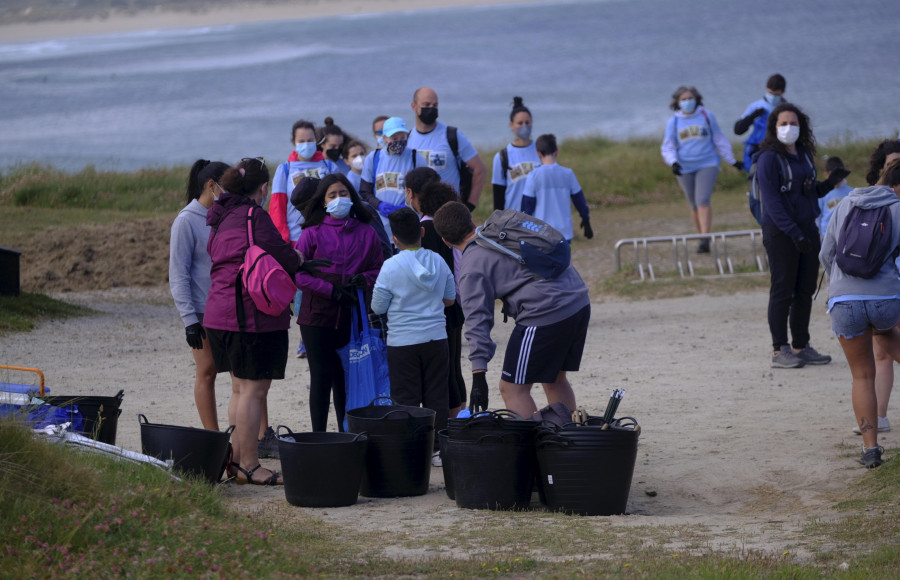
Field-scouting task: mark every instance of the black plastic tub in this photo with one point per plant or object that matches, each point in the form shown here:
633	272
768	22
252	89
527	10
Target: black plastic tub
490	423
100	414
587	470
401	443
446	463
198	452
321	469
493	472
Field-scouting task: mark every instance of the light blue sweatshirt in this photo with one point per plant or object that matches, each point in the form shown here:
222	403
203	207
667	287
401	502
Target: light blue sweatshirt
411	289
695	141
189	262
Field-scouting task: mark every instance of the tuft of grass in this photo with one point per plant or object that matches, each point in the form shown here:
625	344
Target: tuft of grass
20	313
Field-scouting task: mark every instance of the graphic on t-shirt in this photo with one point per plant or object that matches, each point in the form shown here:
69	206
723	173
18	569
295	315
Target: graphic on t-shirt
311	172
693	132
436	160
389	180
520	170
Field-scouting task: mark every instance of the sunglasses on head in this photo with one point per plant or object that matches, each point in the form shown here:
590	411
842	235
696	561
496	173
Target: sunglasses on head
262	160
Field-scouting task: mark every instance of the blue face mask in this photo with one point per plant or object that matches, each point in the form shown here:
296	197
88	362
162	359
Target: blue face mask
339	207
523	132
380	141
305	150
688	106
772	99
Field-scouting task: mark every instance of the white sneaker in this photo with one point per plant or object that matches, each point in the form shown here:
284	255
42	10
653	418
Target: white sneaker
883	426
436	459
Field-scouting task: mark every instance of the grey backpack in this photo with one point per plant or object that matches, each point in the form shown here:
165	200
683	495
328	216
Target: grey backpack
530	241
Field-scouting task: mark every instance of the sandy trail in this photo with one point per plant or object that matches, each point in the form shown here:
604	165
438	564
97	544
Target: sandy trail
741	453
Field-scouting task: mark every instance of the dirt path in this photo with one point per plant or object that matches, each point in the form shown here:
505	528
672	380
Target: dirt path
736	452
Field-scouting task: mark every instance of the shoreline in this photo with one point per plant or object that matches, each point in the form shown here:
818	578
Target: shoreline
241	13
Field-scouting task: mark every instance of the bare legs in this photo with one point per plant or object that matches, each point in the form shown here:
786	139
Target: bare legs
702	217
205	387
860	357
248	398
884	378
518	397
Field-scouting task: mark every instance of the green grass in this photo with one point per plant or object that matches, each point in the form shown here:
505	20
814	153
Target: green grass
77	515
20	313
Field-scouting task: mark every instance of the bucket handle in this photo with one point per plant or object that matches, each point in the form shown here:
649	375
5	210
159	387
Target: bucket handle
547	437
358	435
496	436
408	414
372	402
120	395
415	433
278	431
142	419
230	430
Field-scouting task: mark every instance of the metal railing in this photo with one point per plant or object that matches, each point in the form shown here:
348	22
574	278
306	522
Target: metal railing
682	255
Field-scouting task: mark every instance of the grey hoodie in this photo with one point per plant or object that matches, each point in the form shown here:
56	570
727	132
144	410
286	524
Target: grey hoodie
887	281
189	262
486	276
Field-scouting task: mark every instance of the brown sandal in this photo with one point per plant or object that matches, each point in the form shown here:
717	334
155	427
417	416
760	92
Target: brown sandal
271	480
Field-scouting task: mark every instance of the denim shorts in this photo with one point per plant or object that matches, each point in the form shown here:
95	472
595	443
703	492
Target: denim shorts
852	318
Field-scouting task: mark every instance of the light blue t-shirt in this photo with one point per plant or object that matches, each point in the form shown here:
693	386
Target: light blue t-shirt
553	186
828	203
522	161
411	288
390	181
693	139
286	178
436	150
354	179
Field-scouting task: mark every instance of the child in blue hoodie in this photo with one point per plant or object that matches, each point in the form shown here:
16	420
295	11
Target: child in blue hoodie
413	288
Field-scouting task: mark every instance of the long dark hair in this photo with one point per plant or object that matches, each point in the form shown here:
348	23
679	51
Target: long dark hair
806	140
202	171
245	178
314	213
879	156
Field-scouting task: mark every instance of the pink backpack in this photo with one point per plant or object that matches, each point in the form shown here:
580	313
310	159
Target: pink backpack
270	287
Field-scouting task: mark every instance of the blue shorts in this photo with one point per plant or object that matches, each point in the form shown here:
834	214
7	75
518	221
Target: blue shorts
537	354
852	318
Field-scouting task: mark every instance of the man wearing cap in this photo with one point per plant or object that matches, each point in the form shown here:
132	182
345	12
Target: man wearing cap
435	141
382	183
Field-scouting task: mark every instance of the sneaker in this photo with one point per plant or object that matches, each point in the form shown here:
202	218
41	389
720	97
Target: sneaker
267	447
786	359
883	426
871	456
810	356
436	459
703	248
301	350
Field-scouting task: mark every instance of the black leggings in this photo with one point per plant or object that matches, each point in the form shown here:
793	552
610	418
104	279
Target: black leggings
326	375
793	283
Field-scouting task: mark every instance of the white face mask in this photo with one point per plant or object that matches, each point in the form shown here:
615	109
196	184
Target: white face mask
788	134
357	163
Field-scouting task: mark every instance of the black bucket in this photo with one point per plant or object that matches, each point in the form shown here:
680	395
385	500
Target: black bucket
490	423
199	452
321	469
446	462
493	472
401	443
587	470
100	414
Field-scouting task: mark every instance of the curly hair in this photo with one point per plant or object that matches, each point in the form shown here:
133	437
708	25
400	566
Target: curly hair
878	158
806	140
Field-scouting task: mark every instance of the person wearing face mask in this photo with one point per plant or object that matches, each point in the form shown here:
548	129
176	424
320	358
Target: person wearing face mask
355	159
304	161
331	140
513	163
378	130
336	229
445	147
382	181
189	279
789	231
693	147
757	115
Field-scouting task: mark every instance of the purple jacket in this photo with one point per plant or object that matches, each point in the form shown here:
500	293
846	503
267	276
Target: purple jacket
227	244
354	248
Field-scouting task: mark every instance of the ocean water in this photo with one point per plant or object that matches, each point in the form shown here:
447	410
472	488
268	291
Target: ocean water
167	97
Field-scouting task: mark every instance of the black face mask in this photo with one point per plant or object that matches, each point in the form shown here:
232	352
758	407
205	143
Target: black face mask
428	115
333	154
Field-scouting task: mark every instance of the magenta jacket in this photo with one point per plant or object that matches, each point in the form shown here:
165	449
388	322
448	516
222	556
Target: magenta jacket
354	248
227	245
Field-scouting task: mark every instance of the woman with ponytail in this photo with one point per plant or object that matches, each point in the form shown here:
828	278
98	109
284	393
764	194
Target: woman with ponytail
189	266
331	140
513	163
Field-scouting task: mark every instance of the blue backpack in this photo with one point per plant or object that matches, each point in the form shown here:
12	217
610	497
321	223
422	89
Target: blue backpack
865	241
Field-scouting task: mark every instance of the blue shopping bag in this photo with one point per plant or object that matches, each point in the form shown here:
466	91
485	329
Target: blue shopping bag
365	363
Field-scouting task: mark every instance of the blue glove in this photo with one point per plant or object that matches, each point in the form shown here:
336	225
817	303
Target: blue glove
386	209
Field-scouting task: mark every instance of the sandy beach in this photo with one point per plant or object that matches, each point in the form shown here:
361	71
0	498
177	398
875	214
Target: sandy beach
220	16
742	455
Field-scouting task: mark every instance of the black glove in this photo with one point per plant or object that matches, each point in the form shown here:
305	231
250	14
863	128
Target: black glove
676	168
359	281
804	245
739	165
757	113
345	295
469	206
313	266
837	176
195	335
478	396
586	226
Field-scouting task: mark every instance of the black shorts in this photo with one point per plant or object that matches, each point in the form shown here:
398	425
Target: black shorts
259	356
537	354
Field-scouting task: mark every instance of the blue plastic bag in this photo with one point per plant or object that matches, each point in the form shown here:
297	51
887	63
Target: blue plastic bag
365	363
